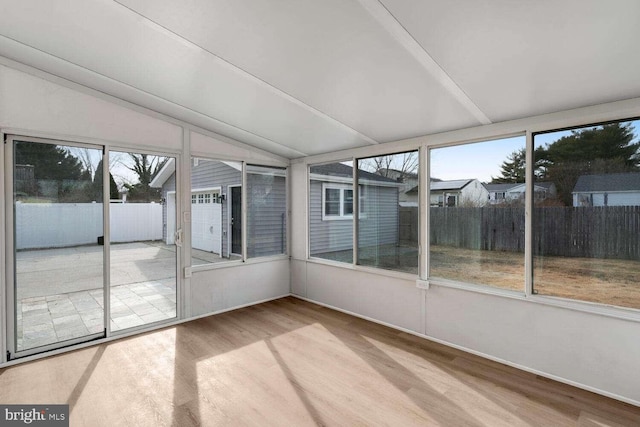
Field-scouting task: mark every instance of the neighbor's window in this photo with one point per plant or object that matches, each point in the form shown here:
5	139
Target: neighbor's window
331	211
216	211
586	231
338	201
266	211
389	213
477	216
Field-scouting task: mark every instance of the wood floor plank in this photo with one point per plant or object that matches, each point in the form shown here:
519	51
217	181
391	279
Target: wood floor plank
290	362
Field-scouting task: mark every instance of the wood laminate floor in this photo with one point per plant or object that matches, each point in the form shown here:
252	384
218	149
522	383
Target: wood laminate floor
292	363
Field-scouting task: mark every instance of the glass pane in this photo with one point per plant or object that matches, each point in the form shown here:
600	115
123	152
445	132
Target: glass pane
216	219
143	251
332	201
348	202
330	234
58	252
586	244
477	213
266	211
388	224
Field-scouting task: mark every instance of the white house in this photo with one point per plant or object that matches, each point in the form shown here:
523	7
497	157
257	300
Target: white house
457	192
509	193
614	189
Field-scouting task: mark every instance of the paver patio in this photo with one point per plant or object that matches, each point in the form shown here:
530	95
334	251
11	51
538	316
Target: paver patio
60	294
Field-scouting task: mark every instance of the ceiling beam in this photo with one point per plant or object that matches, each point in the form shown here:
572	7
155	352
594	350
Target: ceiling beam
386	19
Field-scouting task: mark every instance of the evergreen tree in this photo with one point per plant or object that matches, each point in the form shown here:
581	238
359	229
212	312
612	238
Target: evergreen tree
57	174
96	188
513	170
604	149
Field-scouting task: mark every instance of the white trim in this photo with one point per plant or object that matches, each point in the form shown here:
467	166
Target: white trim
106	244
243	197
348	180
184	218
165	173
474	352
3	259
409	277
230	226
341	188
205	189
528	214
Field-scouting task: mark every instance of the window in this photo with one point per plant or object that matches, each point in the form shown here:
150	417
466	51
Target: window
586	228
388	232
338	202
330	223
475	239
266	211
216	211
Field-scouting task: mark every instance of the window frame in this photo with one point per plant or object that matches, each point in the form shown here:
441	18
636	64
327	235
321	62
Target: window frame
343	188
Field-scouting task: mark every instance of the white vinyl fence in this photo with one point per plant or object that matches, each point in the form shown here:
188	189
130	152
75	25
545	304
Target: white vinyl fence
55	225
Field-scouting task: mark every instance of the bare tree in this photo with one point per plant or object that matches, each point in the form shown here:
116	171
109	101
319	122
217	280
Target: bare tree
394	166
145	167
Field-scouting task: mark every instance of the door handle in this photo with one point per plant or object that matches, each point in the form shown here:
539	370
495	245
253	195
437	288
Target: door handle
178	237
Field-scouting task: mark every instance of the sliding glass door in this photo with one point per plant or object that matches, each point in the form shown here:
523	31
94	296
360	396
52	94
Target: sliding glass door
143	240
73	275
58	261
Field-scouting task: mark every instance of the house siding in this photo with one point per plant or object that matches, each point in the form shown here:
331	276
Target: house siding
327	236
613	198
266	215
378	224
209	174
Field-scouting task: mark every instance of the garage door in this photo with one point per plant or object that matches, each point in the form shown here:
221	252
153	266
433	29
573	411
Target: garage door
206	222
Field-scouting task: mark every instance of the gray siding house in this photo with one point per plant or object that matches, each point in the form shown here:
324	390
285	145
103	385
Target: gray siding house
331	209
216	207
613	189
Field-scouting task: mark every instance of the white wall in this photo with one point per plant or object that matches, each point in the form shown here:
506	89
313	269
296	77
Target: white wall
227	287
39	106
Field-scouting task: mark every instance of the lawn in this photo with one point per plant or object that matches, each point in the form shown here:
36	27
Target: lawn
606	281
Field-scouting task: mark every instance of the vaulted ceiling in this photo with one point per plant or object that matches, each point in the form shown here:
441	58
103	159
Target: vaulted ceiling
303	77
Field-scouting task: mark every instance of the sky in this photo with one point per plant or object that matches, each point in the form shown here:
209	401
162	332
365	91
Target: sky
482	160
119	164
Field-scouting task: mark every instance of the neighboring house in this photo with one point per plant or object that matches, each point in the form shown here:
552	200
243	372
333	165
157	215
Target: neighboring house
331	208
458	192
614	189
216	207
215	203
508	193
409	179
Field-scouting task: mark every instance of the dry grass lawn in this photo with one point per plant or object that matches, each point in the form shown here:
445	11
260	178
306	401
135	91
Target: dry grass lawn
606	281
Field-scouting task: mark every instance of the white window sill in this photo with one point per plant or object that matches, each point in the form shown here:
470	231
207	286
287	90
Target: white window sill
622	313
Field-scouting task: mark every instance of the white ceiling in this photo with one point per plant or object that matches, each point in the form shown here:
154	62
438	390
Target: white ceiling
303	77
